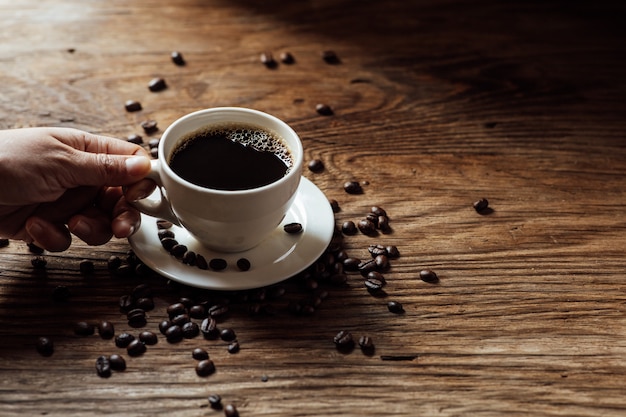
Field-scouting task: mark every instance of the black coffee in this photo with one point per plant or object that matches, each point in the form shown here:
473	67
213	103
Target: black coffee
231	157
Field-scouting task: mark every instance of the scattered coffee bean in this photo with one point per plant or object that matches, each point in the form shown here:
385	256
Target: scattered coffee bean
268	60
382	262
481	205
429	276
373	284
218	264
209	329
44	346
145	303
61	293
316	165
376	250
395	307
344	340
180	319
136	317
383	224
149	338
174	334
82	328
177	58
324	109
134	138
32	248
164	325
106	330
352	187
366	344
136	348
154	143
103	367
4	242
287	58
293	228
366	227
205	367
233	347
190	330
334	205
149	126
200	354
39	262
215	401
243	264
351	264
122	340
117	362
197	312
392	252
231	411
330	57
228	335
349	228
378	211
377	276
86	267
113	262
157	84
132	106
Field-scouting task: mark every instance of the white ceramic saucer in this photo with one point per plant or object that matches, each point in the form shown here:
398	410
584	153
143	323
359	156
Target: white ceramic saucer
278	257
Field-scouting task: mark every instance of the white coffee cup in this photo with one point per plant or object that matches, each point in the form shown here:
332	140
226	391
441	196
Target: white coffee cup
227	221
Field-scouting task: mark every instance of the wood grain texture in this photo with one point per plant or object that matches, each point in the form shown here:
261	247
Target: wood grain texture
436	105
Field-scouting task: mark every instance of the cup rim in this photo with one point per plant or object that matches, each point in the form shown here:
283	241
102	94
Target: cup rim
296	169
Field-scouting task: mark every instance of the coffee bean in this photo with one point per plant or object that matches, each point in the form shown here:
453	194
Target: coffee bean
366	344
201	262
316	165
349	228
134	138
200	354
383	224
117	362
231	411
39	262
324	109
209	329
481	205
351	264
190	330
177	58
165	233
366	227
122	340
136	317
44	346
373	284
178	251
344	340
174	334
376	250
164	224
293	228
103	367
218	264
157	84
86	267
330	57
136	348
243	264
61	293
132	106
352	187
106	330
197	312
382	262
82	328
164	325
377	276
149	338
189	258
334	205
180	319
205	367
126	303
149	126
113	262
393	252
429	276
268	60
153	144
168	243
287	58
228	335
395	307
233	347
215	401
176	309
145	303
378	211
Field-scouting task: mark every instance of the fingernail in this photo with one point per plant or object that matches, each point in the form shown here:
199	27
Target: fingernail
137	165
81	229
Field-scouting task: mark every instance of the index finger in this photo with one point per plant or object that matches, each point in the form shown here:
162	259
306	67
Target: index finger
89	142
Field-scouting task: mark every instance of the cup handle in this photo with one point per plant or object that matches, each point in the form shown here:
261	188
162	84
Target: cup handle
161	208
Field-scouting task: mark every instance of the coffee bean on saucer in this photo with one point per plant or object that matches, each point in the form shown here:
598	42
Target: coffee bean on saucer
178	251
132	106
44	346
218	264
243	264
293	228
149	126
168	243
164	224
201	262
316	165
157	84
189	258
177	58
163	233
352	187
324	109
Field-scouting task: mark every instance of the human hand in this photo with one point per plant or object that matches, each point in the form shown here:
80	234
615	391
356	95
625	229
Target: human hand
54	181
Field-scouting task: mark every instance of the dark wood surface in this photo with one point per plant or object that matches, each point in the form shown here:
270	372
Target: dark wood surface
436	104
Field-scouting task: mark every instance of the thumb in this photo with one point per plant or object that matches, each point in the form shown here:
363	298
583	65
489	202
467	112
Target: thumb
100	169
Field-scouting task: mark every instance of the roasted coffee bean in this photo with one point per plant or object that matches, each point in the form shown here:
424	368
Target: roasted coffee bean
378	211
215	401
334	205
429	276
373	284
134	138
395	307
44	346
103	367
178	251
4	242
154	143
352	187
149	338
233	347
136	317
180	319
228	335
113	262
106	330
117	362
82	328
218	264
175	309
243	264
145	303
86	267
149	126
481	205
366	344
126	303
177	58
231	411
393	252
163	224
197	312
136	348
293	228
163	233
373	218
39	262
164	325
383	223
377	276
209	329
205	367
366	227
168	243
324	109
376	250
157	84
132	105
344	340
189	258
382	262
200	354
61	293
201	262
349	228
330	57
141	291
287	58
174	334
268	60
122	340
351	264
367	266
316	165
190	330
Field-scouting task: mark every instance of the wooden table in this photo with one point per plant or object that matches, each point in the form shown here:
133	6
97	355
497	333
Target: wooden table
436	104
